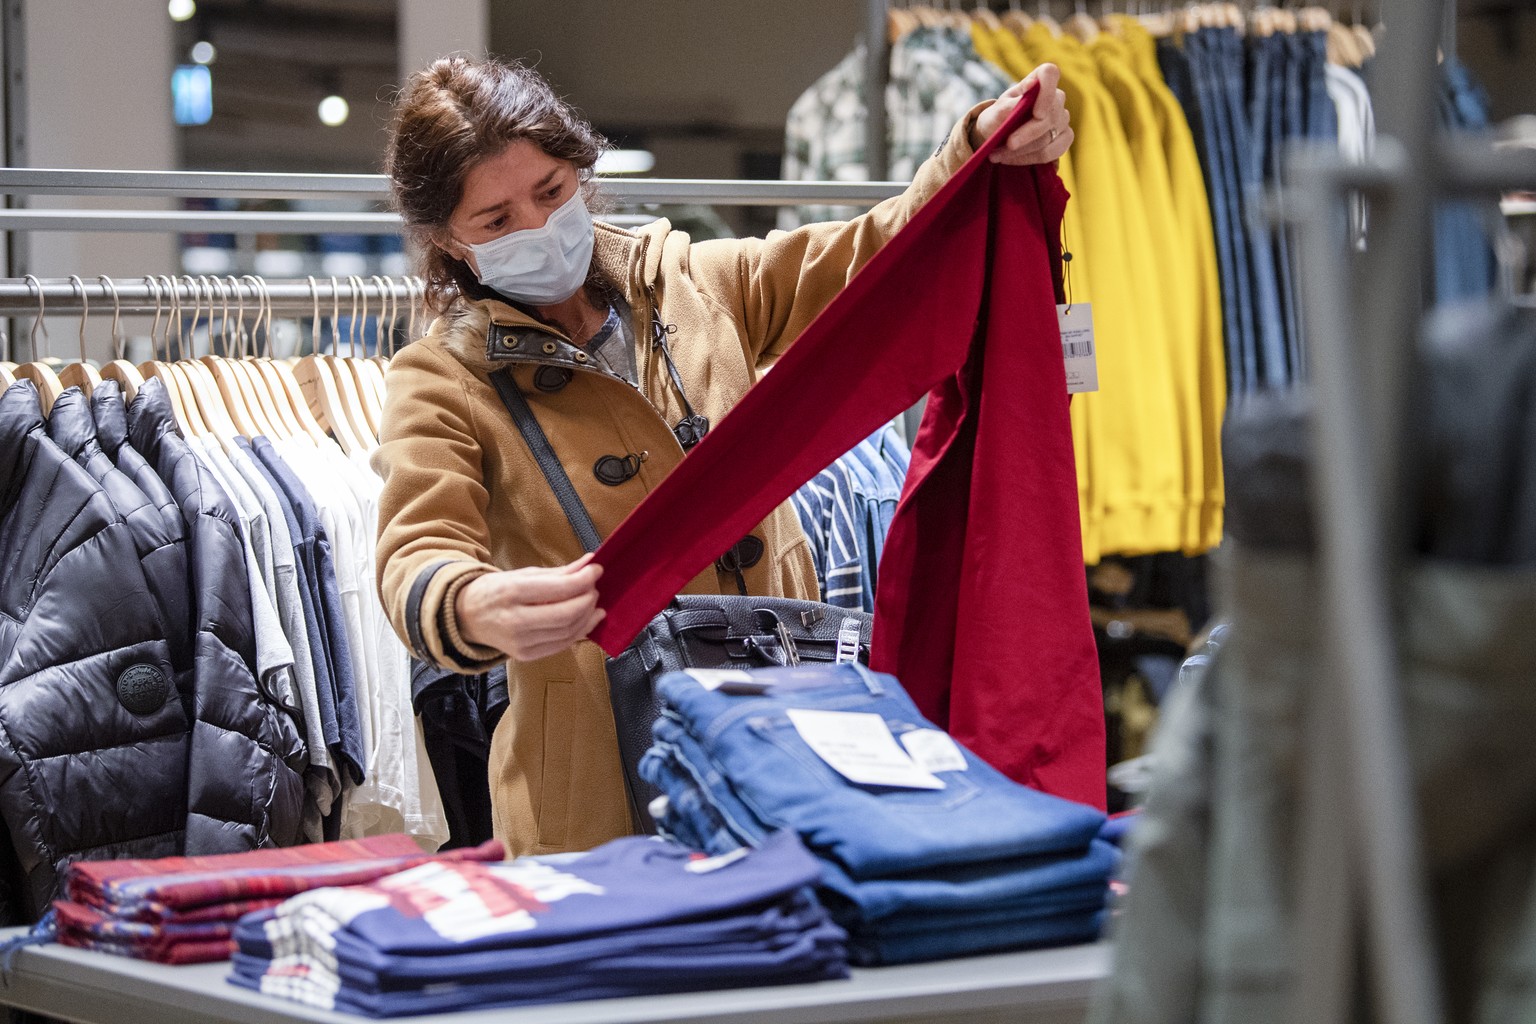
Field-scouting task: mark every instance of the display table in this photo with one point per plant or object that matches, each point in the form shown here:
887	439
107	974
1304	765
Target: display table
1046	986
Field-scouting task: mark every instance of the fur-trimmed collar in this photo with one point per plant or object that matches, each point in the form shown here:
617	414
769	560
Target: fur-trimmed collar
630	259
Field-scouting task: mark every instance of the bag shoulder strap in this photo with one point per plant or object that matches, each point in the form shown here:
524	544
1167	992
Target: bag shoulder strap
544	455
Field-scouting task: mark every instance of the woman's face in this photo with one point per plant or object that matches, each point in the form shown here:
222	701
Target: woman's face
514	190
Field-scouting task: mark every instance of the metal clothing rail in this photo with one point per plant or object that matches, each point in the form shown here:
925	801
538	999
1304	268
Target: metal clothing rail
349	187
135	296
201	222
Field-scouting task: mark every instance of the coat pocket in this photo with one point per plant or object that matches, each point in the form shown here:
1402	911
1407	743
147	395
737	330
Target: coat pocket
561	711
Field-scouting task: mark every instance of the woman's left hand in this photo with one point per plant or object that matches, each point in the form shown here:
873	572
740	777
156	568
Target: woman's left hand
1041	139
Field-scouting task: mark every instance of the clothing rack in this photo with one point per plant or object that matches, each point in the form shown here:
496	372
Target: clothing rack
147	296
135	297
1362	849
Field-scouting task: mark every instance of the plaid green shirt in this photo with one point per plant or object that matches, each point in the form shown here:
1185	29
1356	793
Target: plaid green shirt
936	78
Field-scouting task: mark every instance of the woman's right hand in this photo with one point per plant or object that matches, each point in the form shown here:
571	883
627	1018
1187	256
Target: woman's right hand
531	613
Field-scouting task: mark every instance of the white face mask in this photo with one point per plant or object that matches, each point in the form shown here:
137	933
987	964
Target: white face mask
540	266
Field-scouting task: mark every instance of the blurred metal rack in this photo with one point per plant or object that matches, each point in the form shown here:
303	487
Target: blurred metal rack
138	296
1360	845
347	187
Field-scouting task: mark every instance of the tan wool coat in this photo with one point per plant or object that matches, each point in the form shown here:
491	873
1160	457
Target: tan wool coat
463	496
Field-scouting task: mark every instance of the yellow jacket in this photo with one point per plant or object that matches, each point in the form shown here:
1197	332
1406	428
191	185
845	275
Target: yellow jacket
1192	212
1175	268
1130	427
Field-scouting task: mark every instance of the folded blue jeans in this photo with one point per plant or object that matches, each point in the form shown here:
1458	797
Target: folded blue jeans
869	831
942	943
1024	883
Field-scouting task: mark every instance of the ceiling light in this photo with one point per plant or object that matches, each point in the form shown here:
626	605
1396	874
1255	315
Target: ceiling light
182	10
333	111
203	52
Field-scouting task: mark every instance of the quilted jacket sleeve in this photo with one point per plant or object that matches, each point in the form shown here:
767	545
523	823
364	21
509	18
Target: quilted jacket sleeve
775	286
433	536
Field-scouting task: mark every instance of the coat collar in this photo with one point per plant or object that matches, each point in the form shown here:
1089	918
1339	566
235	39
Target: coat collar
630	259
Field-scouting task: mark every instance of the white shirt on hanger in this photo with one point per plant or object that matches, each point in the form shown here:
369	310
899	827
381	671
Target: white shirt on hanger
400	793
274	655
290	607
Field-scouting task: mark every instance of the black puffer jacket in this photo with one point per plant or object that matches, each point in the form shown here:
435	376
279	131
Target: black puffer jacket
159	540
93	739
246	784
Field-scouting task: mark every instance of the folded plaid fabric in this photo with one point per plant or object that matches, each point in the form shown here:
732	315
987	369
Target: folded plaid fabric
181	910
169	887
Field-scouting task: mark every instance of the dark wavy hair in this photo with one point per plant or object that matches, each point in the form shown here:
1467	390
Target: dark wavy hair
448	118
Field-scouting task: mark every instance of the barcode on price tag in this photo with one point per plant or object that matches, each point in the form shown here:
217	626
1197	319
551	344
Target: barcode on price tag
1076	322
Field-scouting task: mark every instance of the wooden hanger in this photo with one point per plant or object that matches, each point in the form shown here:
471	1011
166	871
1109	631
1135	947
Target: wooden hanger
286	393
370	374
1043	17
288	380
1015	20
337	364
218	368
49	387
258	395
365	373
182	409
1081	24
318	384
385	348
284	403
186	339
82	374
234	362
1344	46
198	379
119	369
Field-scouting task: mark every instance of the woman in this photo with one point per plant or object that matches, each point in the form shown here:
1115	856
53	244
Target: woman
619	341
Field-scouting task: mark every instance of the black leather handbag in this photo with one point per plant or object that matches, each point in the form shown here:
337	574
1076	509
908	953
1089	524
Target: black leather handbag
706	631
718	631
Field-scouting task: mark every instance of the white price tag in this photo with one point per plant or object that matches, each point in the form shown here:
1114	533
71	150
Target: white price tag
714	678
1076	323
861	748
934	750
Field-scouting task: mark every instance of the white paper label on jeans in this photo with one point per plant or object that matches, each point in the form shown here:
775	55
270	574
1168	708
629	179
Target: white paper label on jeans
859	745
714	678
934	750
1082	358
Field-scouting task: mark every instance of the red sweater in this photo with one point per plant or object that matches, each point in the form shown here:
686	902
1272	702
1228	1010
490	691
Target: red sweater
982	609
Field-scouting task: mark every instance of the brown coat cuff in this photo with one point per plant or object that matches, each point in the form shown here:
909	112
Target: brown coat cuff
434	622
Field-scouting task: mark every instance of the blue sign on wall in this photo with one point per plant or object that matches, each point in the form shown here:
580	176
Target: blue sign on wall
192	93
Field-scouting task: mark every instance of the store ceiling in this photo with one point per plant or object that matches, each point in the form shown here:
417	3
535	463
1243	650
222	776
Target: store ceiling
276	59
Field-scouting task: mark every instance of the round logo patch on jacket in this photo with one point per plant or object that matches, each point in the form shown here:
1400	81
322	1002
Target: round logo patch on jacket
143	689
